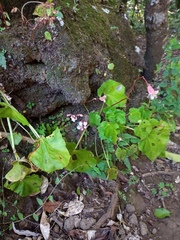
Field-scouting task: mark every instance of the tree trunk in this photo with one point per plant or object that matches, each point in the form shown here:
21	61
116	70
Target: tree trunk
156	22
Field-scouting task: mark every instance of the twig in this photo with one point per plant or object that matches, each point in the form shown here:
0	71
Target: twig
110	210
156	173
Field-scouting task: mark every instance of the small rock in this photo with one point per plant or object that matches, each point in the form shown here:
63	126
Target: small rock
56	228
133	219
154	231
130	208
87	223
143	228
71	222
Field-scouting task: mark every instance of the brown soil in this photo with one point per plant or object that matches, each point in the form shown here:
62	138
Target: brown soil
121	209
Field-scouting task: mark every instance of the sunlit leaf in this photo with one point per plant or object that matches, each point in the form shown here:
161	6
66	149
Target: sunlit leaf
81	161
17	172
48	36
162	213
154	136
51	153
114	92
8	111
172	156
94	119
108	131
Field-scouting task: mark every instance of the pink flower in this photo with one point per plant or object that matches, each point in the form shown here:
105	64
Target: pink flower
82	125
103	98
151	92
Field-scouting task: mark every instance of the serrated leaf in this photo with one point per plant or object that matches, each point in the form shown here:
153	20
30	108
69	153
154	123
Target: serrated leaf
51	153
115	115
29	185
162	213
108	131
48	36
94	119
154	136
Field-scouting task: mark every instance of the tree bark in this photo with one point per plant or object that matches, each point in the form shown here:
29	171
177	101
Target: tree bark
156	22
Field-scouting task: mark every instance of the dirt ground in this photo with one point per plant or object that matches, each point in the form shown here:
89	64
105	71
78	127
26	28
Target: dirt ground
86	208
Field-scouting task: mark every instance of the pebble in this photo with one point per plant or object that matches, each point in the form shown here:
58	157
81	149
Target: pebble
143	228
154	231
133	219
56	228
87	223
130	208
71	222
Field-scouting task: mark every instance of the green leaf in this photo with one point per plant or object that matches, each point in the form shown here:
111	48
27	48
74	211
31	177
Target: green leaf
108	131
81	161
17	138
51	153
2	59
114	92
172	156
134	115
18	172
121	153
48	36
112	173
154	136
8	111
29	185
20	215
94	119
115	115
40	201
162	213
111	66
36	217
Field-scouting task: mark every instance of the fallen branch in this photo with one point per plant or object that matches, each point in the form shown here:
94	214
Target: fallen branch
110	212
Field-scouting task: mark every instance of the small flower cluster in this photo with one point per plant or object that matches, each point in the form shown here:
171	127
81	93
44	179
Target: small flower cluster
82	125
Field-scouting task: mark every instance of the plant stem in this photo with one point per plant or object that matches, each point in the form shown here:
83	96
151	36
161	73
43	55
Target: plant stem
81	137
12	138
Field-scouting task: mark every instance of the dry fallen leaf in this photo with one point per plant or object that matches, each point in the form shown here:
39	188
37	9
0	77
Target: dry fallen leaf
26	233
45	226
73	207
50	207
44	185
